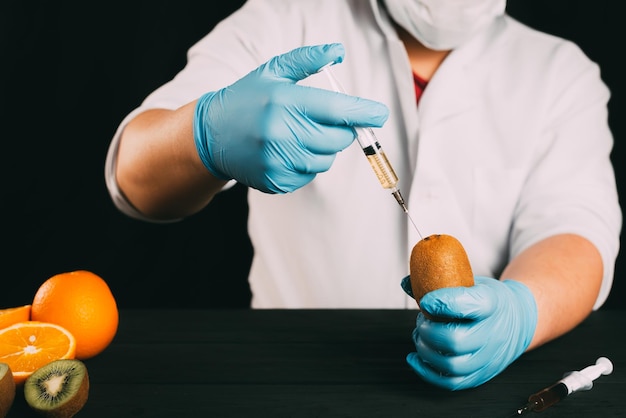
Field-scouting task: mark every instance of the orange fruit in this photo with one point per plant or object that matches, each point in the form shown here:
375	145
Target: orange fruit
27	346
10	316
81	302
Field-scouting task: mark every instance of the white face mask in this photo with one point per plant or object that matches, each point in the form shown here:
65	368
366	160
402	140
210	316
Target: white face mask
444	24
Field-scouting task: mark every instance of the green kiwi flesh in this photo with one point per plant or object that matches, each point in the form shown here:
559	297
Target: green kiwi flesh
7	389
59	389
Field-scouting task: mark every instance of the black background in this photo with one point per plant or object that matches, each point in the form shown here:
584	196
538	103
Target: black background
69	73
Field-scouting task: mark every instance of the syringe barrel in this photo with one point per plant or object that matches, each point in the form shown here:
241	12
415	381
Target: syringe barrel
547	397
377	158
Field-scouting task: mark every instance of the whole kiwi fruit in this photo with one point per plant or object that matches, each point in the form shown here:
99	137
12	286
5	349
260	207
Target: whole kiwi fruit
438	261
59	389
7	389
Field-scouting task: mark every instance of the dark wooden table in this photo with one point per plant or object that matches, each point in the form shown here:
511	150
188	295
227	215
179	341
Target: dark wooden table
323	363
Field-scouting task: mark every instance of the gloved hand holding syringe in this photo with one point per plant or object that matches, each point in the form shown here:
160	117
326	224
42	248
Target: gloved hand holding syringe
373	151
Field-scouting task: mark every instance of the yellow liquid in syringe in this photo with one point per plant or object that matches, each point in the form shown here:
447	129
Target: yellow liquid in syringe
379	162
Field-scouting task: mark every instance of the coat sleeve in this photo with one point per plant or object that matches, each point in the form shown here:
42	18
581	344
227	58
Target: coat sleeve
571	187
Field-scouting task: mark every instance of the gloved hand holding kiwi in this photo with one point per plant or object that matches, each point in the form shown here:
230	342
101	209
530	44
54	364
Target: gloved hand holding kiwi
469	328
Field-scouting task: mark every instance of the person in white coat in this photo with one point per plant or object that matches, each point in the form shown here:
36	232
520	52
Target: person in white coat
498	134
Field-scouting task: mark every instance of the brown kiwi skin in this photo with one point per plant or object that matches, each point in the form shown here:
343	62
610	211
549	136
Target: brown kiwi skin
67	409
438	261
7	390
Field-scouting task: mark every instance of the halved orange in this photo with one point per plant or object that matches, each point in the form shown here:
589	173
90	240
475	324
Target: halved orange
10	316
27	346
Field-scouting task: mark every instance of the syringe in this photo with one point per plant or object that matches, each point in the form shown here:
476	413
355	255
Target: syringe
374	153
572	382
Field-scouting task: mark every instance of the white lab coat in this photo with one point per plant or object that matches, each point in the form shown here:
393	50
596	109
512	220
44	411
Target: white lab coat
509	145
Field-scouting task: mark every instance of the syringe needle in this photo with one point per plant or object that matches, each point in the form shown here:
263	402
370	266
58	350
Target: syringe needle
414	226
523	409
402	203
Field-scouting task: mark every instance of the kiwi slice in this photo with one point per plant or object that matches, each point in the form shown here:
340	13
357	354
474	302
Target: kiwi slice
59	389
7	389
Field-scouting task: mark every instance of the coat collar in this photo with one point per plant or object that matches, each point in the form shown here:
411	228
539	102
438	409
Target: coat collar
450	92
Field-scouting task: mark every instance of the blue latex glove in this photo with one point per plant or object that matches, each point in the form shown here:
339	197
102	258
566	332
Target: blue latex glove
274	135
490	325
